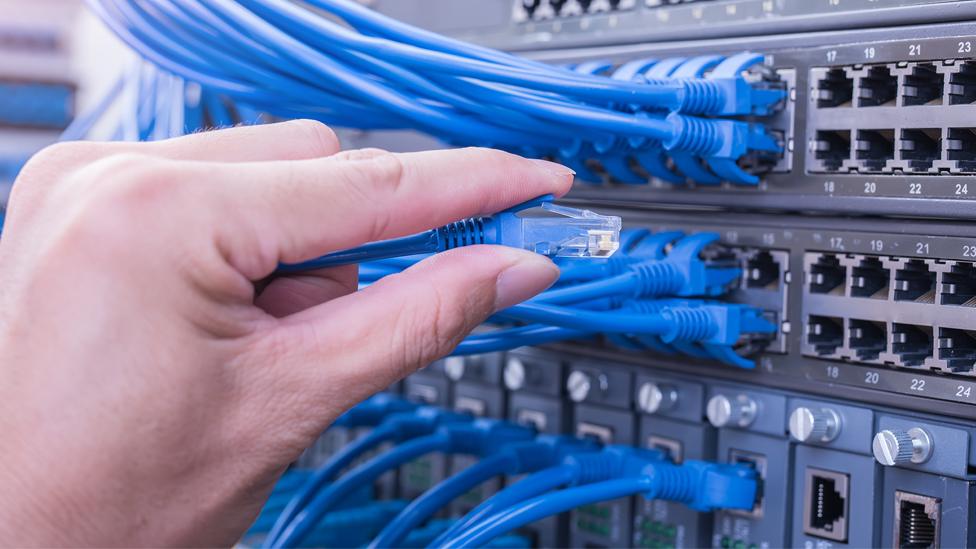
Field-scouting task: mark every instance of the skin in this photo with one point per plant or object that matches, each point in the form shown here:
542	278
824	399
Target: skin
156	382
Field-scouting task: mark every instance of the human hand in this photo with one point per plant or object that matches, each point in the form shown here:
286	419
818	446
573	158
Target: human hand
151	395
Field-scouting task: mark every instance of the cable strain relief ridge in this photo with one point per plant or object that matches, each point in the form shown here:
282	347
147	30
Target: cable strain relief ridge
595	467
687	324
694	135
656	279
701	97
466	232
673	483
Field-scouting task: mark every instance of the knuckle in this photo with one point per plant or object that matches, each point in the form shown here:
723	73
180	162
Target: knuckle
321	139
130	180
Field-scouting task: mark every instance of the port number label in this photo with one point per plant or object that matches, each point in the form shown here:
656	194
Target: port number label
829	186
965	47
870	187
914	50
836	243
962	188
869	52
922	248
964	391
969	251
877	245
917	385
833	372
831	56
914	188
872	378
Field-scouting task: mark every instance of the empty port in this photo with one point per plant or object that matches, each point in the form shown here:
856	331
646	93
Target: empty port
961	148
958	349
832	148
825	505
915	282
874	148
962	84
877	87
762	271
757	462
920	148
835	89
869	278
825	334
916	520
867	339
912	344
923	86
827	275
959	285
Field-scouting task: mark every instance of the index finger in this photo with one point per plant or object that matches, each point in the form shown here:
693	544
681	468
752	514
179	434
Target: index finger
307	208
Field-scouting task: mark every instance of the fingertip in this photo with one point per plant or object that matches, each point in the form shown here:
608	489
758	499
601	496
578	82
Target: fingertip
561	175
526	276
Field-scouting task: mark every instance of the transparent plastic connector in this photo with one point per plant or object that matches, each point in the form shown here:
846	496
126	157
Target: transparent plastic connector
571	233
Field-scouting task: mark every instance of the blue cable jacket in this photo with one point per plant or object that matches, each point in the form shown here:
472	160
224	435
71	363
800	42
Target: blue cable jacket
547	505
529	487
362	475
440	496
327	473
588	321
523	336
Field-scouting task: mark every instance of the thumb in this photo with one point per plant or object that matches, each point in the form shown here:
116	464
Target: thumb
349	348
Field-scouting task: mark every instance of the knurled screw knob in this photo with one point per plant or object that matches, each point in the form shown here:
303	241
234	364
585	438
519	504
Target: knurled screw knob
579	384
454	368
723	411
515	374
814	424
898	447
656	397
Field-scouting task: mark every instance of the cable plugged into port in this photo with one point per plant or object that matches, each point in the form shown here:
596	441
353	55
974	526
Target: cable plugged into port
825	506
758	463
917	520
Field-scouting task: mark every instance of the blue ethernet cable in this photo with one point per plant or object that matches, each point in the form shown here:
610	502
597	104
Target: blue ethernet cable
612	462
511	338
703	486
514	459
479	437
683	272
397	427
578	233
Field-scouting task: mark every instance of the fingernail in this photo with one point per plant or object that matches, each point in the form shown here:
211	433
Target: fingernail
529	275
553	169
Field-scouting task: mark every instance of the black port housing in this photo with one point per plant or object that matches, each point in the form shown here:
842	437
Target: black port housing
959	285
917	520
866	338
869	278
878	87
958	349
912	343
961	147
825	506
835	89
832	148
915	281
530	6
762	271
923	86
962	84
825	334
827	275
920	147
757	462
874	148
